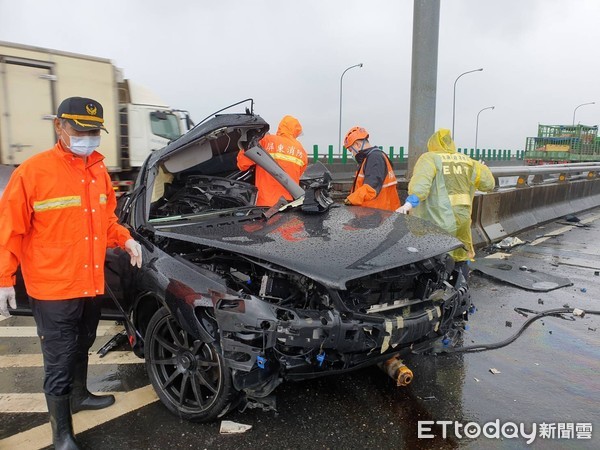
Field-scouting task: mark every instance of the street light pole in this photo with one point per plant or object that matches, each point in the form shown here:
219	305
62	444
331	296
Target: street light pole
477	126
575	110
454	97
340	128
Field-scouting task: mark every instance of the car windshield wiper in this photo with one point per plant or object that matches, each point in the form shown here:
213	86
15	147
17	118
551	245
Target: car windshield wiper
187	217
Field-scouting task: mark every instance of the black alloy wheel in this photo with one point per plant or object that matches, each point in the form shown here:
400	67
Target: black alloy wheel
188	375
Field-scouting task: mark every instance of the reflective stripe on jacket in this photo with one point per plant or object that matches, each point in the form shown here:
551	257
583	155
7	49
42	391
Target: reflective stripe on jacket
289	154
445	182
384	195
57	221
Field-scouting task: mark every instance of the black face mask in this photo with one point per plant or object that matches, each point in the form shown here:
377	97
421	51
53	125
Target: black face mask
360	157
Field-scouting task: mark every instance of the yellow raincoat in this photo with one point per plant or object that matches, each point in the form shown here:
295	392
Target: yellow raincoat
445	182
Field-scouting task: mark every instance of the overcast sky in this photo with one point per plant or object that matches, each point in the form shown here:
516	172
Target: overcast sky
540	59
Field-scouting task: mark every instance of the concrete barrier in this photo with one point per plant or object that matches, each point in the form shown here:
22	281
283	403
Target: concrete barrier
479	235
503	213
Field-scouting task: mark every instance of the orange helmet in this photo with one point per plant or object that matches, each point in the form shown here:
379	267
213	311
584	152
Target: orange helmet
354	134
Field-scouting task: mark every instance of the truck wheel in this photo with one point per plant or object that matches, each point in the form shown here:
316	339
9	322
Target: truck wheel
188	375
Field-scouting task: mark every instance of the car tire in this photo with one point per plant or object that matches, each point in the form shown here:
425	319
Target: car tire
189	376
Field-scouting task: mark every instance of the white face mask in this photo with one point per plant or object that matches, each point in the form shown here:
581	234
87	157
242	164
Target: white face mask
83	145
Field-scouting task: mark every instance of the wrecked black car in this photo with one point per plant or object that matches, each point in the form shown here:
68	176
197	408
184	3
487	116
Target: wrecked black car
233	299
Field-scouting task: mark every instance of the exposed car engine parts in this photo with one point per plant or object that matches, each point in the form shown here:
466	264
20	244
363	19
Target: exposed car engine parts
203	193
316	182
398	371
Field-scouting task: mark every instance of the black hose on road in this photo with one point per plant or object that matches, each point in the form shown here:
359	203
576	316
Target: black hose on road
504	343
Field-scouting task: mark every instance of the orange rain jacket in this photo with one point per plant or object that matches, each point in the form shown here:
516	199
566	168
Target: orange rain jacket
289	154
57	221
375	187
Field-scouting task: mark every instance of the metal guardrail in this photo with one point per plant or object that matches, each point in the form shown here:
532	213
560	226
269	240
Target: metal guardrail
525	176
514	171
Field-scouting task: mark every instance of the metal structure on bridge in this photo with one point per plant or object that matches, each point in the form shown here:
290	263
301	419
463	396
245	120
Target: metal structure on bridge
563	144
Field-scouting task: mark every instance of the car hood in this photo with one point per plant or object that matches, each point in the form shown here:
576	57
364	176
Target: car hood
253	126
333	248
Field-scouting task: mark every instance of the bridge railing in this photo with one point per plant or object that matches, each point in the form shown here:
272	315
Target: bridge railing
328	155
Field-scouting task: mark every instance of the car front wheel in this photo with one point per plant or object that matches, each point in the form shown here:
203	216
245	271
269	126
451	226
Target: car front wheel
188	375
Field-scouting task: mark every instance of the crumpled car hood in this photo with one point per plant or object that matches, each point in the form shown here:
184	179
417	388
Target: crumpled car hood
333	248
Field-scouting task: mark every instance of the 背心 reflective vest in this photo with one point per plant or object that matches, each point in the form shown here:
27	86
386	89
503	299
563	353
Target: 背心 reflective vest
387	198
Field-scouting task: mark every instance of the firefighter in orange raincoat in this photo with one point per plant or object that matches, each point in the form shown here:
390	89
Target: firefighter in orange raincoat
375	182
284	148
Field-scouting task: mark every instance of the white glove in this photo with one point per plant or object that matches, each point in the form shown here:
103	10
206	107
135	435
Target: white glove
134	249
7	297
404	209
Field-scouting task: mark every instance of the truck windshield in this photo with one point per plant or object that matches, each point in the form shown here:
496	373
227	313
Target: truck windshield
165	124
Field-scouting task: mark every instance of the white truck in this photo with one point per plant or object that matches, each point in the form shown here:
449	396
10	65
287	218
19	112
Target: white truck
33	81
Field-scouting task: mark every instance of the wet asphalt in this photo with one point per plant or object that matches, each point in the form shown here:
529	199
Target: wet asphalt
548	375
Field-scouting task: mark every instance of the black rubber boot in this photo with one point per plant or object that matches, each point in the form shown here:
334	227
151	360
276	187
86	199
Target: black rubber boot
81	398
61	423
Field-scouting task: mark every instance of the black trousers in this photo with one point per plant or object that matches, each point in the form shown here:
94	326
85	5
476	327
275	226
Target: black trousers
67	330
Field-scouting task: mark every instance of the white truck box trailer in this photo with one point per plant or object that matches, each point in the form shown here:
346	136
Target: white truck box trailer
33	82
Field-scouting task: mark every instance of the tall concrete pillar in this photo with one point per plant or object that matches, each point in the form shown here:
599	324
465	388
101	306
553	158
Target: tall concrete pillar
426	22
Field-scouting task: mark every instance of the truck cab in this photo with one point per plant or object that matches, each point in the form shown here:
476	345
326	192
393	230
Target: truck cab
146	123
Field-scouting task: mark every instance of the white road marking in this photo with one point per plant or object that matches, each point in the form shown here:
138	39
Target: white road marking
499	255
563	229
31	331
27	403
35	359
41	436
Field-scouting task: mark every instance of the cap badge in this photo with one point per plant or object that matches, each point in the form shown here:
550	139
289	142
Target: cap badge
91	109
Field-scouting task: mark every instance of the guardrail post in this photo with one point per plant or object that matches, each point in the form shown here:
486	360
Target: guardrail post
401	153
344	155
315	153
330	155
537	179
391	153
